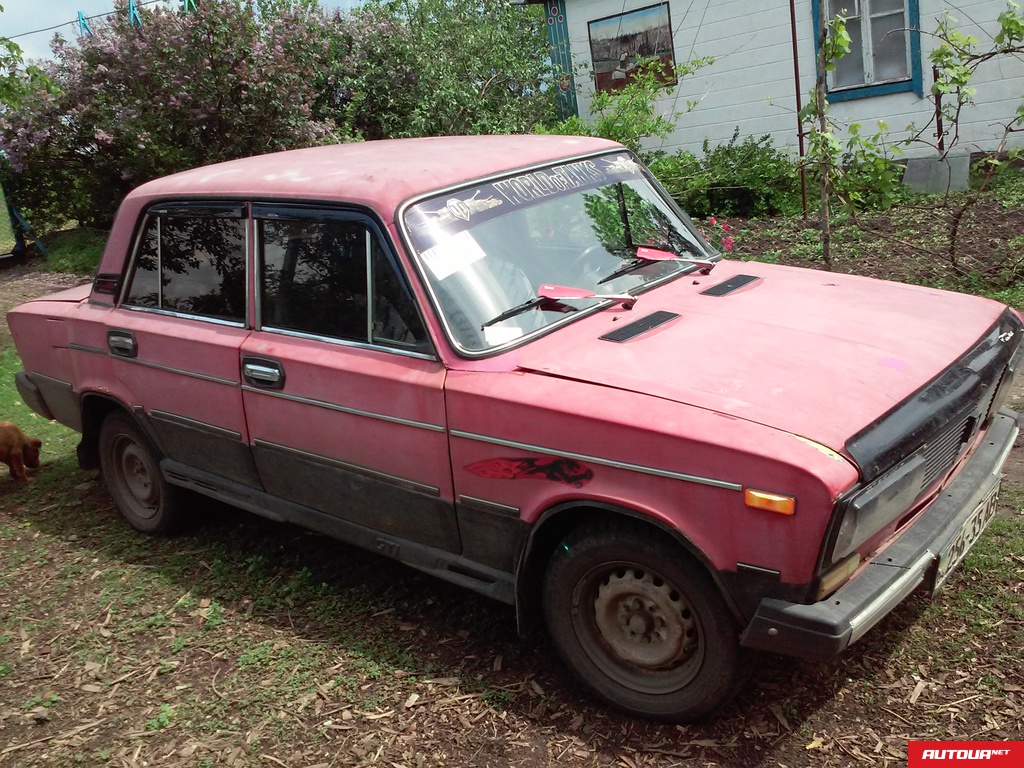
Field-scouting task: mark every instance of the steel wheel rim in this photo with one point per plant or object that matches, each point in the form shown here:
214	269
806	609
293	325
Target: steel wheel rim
135	474
638	628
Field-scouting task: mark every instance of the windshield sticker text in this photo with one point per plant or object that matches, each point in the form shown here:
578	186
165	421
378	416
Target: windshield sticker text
541	184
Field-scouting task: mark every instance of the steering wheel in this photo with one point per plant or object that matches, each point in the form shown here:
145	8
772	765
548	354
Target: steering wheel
578	263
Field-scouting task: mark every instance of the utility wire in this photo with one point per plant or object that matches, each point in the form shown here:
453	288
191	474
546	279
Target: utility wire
75	21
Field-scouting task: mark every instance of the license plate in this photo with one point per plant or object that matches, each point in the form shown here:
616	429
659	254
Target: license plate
969	533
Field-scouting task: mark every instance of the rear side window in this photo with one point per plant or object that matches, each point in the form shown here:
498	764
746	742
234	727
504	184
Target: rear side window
328	274
191	260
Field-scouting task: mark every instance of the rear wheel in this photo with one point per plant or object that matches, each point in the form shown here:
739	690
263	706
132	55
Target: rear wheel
131	469
640	624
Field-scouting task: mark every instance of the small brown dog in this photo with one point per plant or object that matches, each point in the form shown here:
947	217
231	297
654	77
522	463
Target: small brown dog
18	451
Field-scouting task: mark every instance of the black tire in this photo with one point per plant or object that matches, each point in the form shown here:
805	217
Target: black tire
640	624
131	468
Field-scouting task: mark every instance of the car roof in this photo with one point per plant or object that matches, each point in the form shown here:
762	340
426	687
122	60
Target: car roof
378	174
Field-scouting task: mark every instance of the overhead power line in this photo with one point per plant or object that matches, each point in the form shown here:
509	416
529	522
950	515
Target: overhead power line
75	21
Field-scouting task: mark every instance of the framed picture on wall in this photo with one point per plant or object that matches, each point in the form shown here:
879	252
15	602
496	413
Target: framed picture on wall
618	42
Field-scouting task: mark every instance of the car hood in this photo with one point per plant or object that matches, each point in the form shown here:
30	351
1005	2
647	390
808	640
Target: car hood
817	354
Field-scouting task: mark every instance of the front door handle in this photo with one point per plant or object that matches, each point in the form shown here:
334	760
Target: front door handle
263	373
122	343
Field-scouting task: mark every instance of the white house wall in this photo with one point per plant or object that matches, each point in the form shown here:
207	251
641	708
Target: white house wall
751	85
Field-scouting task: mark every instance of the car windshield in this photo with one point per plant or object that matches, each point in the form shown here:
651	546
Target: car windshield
487	249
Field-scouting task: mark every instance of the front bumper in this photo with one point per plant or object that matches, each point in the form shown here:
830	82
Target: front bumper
820	631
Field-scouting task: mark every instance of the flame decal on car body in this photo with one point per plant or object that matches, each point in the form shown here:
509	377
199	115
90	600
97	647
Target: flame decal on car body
560	470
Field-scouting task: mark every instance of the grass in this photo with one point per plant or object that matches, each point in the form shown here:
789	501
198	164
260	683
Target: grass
7	240
75	250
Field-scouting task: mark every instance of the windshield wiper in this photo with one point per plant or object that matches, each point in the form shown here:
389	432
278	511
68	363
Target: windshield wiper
645	256
537	301
554	295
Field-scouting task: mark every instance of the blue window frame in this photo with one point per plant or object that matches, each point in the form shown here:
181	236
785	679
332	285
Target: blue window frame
885	49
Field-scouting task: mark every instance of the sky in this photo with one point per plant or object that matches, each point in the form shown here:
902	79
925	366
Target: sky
21	16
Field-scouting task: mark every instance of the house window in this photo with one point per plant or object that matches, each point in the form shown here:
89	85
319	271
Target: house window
885	47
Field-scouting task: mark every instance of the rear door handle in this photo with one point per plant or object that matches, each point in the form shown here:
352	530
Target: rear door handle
263	373
122	343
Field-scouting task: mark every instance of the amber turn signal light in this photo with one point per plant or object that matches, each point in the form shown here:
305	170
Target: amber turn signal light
773	502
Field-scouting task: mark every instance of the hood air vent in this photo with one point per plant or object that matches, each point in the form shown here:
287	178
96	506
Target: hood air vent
640	327
734	283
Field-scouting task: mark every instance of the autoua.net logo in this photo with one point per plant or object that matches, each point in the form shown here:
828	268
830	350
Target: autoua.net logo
1000	754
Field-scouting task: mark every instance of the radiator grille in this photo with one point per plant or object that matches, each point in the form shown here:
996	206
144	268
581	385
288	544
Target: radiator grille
941	452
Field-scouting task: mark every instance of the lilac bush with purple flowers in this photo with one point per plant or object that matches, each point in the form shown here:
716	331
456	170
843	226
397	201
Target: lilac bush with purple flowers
229	80
132	103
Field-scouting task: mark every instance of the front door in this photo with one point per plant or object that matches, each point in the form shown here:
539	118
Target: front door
343	394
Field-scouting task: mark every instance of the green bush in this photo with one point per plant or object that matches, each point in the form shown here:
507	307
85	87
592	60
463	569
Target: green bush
628	114
75	250
738	178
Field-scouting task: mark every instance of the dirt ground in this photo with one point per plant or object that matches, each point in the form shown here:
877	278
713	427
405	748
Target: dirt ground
21	282
489	699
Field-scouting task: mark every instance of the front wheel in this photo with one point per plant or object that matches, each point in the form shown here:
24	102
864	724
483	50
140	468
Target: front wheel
640	624
131	469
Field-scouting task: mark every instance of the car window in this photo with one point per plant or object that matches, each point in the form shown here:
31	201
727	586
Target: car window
329	275
191	260
486	250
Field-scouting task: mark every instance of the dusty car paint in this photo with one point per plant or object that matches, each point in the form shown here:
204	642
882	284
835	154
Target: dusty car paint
668	417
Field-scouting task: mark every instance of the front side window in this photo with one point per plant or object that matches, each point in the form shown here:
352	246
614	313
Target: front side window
191	260
879	42
486	250
328	274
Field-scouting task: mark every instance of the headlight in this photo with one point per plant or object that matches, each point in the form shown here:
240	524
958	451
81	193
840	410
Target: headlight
879	504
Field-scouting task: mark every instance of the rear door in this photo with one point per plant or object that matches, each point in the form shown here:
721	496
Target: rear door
343	393
174	340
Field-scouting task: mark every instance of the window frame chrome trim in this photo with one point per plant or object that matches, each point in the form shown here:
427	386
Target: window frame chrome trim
184	316
152	211
374	229
347	343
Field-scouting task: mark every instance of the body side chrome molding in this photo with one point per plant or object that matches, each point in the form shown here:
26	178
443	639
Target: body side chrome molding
604	462
343	409
155	366
87	348
488	506
169	369
183	421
